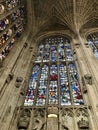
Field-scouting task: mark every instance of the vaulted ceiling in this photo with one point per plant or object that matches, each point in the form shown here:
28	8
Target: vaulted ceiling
65	14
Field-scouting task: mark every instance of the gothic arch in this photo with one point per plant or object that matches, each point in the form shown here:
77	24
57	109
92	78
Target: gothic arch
90	31
66	34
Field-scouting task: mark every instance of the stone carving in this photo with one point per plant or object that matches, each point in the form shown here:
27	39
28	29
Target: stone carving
25	44
39	119
88	79
83	81
82	112
24	119
31	48
67	119
82	118
86	44
67	112
10	77
39	124
64	124
77	45
83	124
18	81
39	112
84	85
24	88
53	110
74	51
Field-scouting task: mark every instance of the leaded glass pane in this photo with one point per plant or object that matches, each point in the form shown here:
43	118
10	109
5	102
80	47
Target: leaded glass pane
55	81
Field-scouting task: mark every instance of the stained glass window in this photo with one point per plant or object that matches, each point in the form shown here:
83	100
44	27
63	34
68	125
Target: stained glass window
54	79
93	43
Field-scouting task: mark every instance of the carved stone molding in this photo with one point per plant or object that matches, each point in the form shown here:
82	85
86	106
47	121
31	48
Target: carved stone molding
24	119
39	112
38	119
53	110
67	119
82	112
67	112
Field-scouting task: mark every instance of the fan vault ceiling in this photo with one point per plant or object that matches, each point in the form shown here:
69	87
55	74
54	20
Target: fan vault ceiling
73	15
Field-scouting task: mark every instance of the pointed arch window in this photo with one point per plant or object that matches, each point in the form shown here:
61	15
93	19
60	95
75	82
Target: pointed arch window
93	43
54	79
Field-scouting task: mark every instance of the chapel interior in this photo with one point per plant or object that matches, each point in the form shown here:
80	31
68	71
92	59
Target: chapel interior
48	64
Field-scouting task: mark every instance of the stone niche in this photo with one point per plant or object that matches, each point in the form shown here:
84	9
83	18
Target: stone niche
82	118
38	121
24	119
66	119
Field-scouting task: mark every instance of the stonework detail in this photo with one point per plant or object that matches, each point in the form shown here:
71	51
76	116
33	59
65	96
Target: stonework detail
53	110
82	118
67	122
83	124
38	119
88	79
24	119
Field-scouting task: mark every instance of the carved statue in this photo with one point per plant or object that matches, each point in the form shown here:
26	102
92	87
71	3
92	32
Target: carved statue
39	124
24	120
